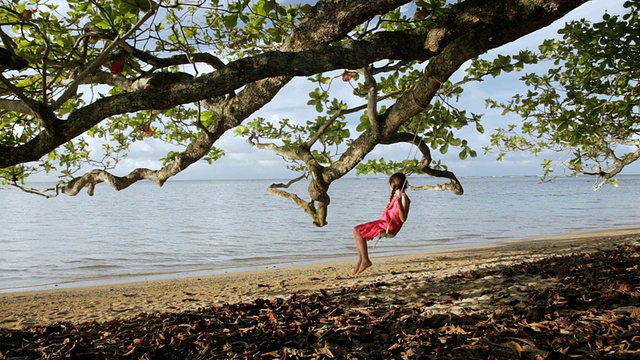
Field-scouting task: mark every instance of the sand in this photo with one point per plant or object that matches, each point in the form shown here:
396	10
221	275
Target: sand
403	275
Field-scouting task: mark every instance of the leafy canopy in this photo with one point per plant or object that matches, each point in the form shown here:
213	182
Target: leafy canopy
68	39
586	104
83	81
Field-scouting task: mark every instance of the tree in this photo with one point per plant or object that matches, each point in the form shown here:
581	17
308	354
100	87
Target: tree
586	104
186	72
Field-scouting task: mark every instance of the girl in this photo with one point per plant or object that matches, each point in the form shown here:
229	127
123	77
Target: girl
391	221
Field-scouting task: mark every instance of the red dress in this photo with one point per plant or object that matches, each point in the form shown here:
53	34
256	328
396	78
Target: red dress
390	218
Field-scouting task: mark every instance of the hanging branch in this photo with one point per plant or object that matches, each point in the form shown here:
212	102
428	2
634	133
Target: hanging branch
309	207
454	184
291	182
38	192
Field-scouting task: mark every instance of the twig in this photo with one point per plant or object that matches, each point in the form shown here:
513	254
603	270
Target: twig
99	60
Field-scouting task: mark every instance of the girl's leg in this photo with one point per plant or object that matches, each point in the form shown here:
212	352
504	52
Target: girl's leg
357	238
363	253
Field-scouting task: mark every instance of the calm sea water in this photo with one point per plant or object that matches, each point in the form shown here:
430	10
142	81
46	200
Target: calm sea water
204	227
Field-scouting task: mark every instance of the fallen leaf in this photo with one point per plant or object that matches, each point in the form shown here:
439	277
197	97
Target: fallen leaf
272	317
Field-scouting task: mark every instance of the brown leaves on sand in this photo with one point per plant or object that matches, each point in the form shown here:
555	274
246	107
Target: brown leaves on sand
581	306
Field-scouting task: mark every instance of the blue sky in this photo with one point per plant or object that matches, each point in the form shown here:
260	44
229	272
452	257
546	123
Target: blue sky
244	162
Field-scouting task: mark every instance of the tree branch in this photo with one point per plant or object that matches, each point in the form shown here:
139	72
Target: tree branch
308	207
151	81
619	165
18	106
425	164
8	58
160	63
341	113
17	92
372	101
34	191
94	177
287	154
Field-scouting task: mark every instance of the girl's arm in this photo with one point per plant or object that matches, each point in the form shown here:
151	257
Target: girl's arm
403	206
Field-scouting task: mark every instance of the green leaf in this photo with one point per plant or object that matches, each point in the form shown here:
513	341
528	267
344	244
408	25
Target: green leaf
231	21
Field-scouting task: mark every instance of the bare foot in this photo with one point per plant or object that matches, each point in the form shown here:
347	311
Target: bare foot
364	265
355	269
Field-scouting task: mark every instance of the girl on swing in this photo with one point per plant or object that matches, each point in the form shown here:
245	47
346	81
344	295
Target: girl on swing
389	223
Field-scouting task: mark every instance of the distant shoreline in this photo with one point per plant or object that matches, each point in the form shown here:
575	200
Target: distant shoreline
51	183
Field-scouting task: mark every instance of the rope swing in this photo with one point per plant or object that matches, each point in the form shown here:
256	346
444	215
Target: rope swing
386	233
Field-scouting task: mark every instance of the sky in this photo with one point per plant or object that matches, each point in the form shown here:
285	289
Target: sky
243	162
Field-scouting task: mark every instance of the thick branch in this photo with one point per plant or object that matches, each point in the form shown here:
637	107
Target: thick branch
94	177
151	81
318	189
193	153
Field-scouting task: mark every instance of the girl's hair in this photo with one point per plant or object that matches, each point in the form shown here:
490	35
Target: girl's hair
398	181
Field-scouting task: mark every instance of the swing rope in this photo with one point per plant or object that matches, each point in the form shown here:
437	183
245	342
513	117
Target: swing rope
386	234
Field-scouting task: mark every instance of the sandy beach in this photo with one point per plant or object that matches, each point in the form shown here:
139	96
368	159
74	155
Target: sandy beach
404	277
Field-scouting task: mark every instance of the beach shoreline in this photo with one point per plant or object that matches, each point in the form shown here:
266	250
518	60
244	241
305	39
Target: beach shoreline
102	303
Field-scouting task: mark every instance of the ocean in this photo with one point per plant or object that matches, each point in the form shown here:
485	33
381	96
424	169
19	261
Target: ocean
198	228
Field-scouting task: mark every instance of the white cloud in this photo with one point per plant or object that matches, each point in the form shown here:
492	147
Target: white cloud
142	147
269	163
129	164
238	156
